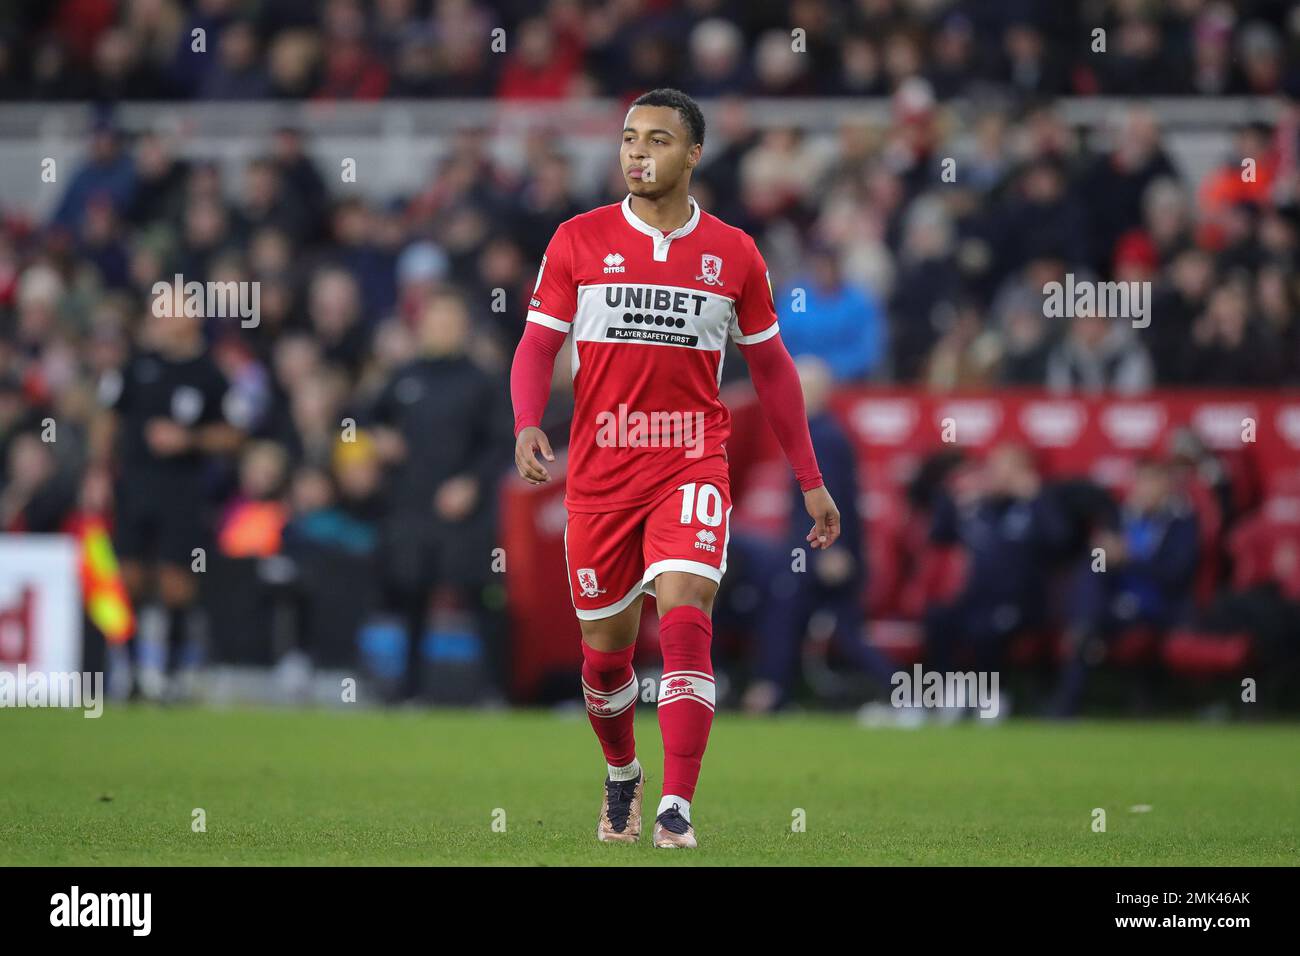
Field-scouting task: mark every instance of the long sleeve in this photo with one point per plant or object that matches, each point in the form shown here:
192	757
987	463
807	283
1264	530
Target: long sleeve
530	373
777	383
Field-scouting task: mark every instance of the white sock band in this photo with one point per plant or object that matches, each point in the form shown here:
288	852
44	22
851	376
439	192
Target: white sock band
630	772
683	806
610	703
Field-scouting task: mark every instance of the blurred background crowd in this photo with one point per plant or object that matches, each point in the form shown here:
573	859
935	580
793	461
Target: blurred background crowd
351	49
912	251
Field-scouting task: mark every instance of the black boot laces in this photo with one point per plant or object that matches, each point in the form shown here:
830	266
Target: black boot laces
619	795
673	821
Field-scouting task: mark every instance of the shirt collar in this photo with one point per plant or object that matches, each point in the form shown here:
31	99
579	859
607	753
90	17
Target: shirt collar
640	225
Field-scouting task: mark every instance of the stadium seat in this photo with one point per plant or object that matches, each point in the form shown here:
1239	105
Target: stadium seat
1192	653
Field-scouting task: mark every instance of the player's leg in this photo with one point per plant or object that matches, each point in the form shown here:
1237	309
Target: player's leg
182	531
686	697
787	607
609	685
604	558
686	551
409	573
133	667
177	590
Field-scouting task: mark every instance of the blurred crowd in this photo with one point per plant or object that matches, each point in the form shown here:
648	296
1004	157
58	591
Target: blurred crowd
914	250
350	49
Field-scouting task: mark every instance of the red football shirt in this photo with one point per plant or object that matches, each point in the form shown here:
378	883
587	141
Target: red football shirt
649	315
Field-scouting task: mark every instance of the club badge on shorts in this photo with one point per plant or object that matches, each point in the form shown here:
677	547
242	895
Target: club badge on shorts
587	582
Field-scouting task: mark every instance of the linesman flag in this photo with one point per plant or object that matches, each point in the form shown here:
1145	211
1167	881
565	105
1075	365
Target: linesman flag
102	590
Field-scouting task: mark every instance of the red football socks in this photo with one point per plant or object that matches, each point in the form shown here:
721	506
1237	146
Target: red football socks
686	697
609	688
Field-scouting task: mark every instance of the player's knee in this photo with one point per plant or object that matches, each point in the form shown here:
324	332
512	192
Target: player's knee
615	632
608	635
674	590
608	662
686	638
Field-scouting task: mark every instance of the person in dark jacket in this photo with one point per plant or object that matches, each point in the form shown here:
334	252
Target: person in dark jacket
441	422
1139	573
1010	528
800	583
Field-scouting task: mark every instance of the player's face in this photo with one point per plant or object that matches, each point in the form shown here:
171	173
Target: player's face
657	151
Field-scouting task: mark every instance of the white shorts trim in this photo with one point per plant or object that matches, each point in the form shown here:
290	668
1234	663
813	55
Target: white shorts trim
609	610
678	564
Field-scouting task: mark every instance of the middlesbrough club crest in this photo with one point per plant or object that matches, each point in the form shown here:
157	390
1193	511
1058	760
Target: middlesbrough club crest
587	582
710	270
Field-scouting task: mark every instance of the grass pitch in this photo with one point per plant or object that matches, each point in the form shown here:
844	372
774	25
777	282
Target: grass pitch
325	788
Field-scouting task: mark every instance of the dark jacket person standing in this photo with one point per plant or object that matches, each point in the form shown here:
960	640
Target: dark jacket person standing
442	421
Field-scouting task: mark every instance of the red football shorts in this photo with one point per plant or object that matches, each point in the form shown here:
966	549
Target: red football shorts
616	555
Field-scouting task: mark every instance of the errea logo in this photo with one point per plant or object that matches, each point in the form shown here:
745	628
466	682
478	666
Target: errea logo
704	541
613	263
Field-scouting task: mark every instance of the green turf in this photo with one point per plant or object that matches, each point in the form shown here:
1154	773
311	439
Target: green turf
318	787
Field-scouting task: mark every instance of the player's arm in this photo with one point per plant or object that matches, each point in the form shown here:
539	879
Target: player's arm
530	387
776	382
550	316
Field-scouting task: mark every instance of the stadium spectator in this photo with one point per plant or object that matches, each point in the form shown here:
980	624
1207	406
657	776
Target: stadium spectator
351	70
159	193
1228	347
1123	175
442	425
825	316
1009	529
830	588
544	66
927	284
108	174
239	75
1150	561
1043	214
1099	354
37	495
252	522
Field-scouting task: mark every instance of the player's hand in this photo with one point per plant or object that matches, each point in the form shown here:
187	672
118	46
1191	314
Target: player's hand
826	517
530	441
166	438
